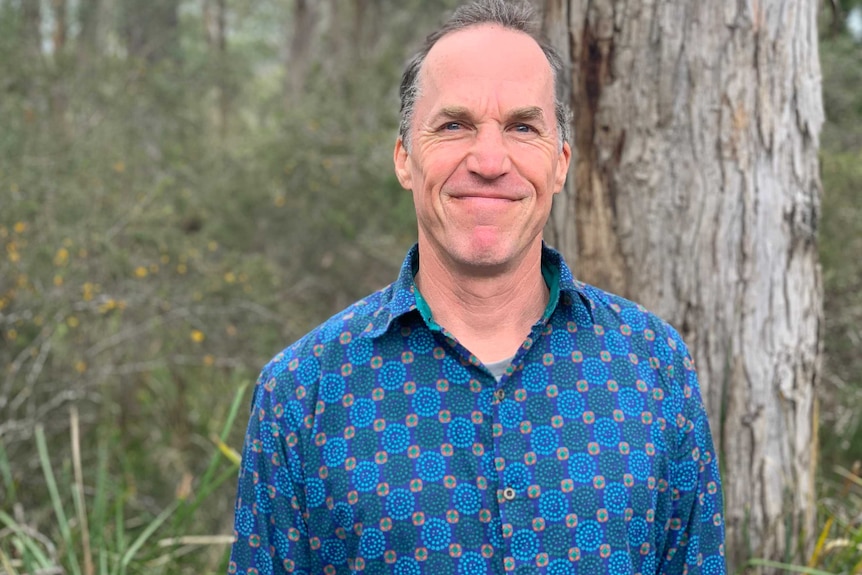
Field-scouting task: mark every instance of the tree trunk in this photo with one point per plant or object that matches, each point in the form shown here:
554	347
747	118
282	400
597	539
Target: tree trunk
59	25
299	47
31	16
88	38
696	192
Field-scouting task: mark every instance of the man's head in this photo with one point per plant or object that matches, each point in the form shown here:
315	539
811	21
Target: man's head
517	16
486	149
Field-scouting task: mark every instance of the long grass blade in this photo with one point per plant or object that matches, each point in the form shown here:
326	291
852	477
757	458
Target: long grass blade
7	564
100	501
142	538
787	567
6	473
78	493
65	529
26	543
821	541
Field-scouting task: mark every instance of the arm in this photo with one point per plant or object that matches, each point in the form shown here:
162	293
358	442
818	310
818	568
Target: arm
270	531
695	536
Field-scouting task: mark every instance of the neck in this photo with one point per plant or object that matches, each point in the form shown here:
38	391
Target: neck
489	313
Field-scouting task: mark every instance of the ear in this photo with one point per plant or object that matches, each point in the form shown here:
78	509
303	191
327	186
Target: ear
403	168
562	167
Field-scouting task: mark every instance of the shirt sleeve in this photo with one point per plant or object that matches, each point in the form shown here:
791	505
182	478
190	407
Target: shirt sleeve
269	529
695	530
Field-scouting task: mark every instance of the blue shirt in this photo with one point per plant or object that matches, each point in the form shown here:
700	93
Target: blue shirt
378	444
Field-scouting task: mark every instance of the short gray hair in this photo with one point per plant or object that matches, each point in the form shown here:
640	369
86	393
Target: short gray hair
517	15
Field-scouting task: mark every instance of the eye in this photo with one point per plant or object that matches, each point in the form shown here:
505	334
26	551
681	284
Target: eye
524	129
452	126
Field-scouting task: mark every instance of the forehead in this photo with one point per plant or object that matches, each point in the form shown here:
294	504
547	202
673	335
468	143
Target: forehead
487	57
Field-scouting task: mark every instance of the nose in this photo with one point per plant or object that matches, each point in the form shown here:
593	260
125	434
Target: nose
489	156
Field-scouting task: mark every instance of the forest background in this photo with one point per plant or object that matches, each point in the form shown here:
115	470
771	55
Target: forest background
186	186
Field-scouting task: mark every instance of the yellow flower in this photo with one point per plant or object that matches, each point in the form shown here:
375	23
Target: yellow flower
154	268
279	201
119	167
11	335
212	246
209	360
61	258
141	272
72	321
197	336
20	227
108	306
229	277
182	269
80	366
58	280
87	291
165	259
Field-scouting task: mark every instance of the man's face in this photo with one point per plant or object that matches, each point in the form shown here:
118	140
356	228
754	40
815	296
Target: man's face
484	160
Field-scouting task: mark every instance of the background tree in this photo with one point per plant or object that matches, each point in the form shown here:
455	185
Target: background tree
695	190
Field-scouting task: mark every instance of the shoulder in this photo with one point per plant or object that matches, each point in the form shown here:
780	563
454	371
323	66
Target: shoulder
293	376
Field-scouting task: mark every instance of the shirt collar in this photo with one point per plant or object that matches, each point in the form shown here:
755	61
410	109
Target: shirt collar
403	297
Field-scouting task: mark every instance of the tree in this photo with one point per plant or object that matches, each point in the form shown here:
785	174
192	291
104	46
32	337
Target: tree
694	189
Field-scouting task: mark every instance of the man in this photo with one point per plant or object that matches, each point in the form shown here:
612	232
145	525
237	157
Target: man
486	412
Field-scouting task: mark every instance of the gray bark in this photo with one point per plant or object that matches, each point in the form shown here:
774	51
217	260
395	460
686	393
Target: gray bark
695	191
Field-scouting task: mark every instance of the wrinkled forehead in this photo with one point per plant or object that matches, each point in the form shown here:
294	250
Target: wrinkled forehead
487	55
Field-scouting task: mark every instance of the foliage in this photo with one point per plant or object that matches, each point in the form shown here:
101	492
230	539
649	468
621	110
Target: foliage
170	219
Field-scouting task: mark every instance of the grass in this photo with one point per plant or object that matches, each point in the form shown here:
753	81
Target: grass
101	534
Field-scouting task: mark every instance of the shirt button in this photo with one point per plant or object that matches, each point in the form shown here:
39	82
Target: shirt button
500	395
508	494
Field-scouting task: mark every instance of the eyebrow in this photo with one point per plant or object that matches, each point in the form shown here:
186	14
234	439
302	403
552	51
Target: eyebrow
460	113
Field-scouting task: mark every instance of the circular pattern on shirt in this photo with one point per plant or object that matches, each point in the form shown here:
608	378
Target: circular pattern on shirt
620	563
553	505
333	551
434	499
426	402
406	566
616	498
513	445
360	351
588	535
617	343
516	476
582	468
315	492
456	373
335	451
430	466
436	534
607	432
534	378
420	341
511	413
538	408
471	563
467	499
392	375
363	411
400	504
308	371
459	400
366	475
342	513
570	404
544	440
396	438
429	433
244	521
524	545
461	432
562	567
372	543
548	472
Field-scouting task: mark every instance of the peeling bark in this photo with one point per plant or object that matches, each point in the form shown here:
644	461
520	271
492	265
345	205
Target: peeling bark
696	192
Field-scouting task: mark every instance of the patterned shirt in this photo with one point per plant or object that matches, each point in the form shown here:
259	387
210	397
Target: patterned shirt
379	444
